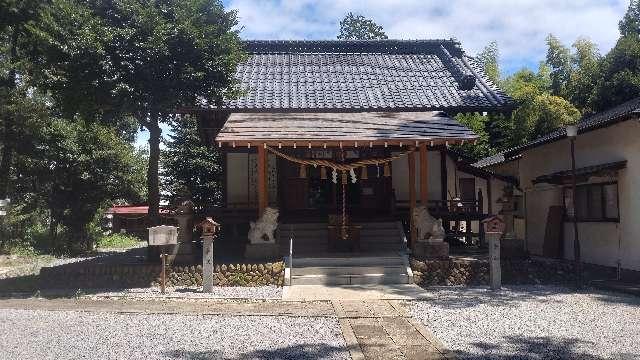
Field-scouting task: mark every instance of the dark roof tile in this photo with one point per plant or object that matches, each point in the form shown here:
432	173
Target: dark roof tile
384	75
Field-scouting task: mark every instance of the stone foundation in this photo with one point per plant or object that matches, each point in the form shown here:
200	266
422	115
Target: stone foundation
453	272
121	276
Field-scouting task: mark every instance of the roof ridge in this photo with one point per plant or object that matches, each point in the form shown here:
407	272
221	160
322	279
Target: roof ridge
385	46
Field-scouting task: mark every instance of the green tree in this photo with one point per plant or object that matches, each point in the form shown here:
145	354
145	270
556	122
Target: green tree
630	23
619	78
489	59
15	51
189	168
75	168
357	27
559	60
585	73
142	59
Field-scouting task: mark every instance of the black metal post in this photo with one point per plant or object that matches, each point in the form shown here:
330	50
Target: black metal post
576	240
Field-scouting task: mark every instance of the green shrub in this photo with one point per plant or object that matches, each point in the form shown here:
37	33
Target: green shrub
117	241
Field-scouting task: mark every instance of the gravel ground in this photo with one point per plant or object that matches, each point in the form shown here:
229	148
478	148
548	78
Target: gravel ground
26	334
533	322
219	292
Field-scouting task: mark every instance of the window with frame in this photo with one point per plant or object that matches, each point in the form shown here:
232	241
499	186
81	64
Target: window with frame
594	202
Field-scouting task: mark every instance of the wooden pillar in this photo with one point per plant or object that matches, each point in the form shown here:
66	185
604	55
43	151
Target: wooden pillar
412	196
263	195
424	180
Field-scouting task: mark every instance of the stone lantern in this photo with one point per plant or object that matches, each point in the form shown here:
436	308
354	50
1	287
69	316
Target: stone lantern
209	230
512	246
184	251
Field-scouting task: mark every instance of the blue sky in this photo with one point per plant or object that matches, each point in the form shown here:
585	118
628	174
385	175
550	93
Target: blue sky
519	26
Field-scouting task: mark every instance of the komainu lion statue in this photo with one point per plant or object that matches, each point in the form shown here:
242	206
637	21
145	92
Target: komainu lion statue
262	230
427	227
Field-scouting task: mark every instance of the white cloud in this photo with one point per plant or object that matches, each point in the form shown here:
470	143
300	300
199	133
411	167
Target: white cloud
519	26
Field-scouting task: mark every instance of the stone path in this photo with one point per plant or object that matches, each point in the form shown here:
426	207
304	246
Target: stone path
372	329
384	330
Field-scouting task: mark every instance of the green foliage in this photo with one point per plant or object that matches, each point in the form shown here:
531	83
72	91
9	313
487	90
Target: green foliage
357	27
141	59
478	124
190	169
77	167
117	241
489	59
630	23
559	59
619	78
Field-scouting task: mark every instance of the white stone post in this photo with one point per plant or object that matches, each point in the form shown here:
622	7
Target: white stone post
209	230
494	228
207	263
495	271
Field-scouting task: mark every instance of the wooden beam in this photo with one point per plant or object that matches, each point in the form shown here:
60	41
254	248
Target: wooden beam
424	175
263	199
412	196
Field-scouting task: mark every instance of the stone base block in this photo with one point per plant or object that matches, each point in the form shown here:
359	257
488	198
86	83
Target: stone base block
431	250
262	251
512	248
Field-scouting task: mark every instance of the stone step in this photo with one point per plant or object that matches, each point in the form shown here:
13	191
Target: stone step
364	279
348	260
347	270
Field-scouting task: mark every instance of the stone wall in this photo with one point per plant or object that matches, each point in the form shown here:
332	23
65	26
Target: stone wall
121	276
476	272
449	272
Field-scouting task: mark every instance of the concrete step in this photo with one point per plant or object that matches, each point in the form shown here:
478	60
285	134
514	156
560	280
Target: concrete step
349	260
348	270
365	279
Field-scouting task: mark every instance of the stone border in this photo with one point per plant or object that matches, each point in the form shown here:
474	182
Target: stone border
122	276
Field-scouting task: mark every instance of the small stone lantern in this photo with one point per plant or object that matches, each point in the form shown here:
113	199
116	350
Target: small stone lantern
209	230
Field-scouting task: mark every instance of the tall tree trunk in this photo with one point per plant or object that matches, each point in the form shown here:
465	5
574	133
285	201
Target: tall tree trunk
9	138
153	187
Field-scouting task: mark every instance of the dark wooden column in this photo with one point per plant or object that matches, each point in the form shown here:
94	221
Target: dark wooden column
263	195
424	173
412	196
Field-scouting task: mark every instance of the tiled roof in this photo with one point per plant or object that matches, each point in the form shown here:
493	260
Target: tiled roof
363	75
622	112
350	126
563	176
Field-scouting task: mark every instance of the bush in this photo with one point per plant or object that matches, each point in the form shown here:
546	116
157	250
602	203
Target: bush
117	241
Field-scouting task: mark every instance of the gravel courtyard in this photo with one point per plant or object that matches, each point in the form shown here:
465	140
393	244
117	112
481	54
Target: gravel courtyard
37	334
533	322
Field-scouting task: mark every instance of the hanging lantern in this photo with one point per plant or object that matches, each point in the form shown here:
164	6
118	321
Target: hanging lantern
365	173
387	170
323	173
303	172
345	180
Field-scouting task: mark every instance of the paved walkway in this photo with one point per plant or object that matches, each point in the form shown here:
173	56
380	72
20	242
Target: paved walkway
353	292
383	330
372	329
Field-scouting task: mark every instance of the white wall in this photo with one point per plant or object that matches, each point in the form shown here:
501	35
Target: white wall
400	176
237	178
599	241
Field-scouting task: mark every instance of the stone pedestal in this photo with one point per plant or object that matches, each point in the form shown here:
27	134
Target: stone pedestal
266	251
207	263
431	250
